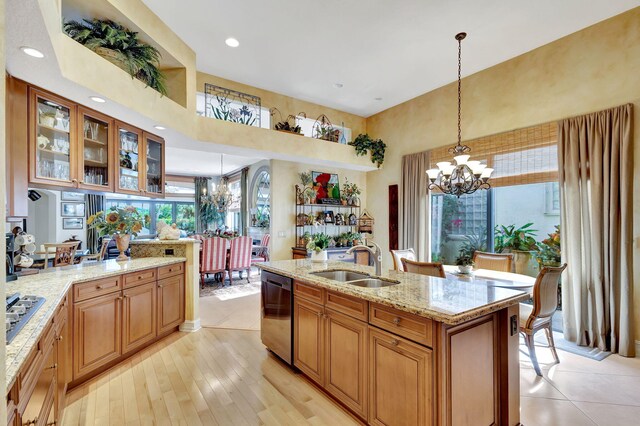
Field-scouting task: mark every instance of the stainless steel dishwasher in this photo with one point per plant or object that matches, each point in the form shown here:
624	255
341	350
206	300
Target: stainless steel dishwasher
276	327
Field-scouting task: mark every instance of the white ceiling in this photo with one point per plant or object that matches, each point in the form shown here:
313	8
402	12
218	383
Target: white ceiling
395	50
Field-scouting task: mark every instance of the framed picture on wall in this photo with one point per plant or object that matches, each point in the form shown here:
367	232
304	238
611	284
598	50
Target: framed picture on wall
326	186
328	217
72	196
72	209
72	223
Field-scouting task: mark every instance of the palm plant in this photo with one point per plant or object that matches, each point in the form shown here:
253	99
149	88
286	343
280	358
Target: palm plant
512	238
122	47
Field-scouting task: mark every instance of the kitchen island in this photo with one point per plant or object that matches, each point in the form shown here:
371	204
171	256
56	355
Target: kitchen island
412	349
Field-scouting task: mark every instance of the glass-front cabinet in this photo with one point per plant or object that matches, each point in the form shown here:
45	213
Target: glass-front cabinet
52	140
95	167
130	149
154	172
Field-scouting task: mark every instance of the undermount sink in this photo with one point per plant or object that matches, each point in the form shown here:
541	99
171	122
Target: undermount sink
373	283
340	275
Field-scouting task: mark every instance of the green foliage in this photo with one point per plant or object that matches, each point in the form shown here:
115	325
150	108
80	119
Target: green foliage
139	59
364	143
350	189
126	220
475	242
512	238
318	242
224	111
464	260
549	253
305	178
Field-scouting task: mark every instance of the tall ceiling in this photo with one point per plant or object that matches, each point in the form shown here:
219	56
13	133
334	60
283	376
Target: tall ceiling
394	50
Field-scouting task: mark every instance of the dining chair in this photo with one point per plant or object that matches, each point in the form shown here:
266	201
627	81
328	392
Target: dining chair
214	257
397	255
96	257
538	316
261	252
494	261
423	268
64	254
240	256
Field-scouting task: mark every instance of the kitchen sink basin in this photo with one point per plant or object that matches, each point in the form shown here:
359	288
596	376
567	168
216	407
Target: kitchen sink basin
372	283
340	275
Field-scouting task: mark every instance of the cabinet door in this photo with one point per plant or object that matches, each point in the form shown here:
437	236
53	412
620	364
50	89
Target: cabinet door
154	166
170	303
308	339
130	150
40	401
138	316
97	333
95	151
346	360
52	140
400	381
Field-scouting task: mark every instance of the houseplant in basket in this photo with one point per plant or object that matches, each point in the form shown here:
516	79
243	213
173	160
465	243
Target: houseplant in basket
519	241
350	192
120	46
318	245
122	223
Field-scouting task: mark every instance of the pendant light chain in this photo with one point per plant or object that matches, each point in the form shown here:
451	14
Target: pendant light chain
459	90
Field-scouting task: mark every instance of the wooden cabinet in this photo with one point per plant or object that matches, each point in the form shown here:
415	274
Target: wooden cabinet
346	360
97	333
308	339
400	381
52	140
138	316
170	303
16	149
96	168
154	166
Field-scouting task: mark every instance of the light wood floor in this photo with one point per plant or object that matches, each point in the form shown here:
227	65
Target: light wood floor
211	377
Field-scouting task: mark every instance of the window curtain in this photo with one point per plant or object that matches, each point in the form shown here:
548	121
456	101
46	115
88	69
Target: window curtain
201	188
596	184
414	218
243	201
95	204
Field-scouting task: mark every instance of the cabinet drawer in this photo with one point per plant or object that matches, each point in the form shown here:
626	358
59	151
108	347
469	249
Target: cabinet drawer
342	256
170	270
140	277
354	307
411	326
311	293
96	288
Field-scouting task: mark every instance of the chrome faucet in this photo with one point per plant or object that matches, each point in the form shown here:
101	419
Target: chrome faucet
377	255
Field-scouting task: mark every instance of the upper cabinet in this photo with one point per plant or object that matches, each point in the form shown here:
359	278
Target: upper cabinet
71	146
52	140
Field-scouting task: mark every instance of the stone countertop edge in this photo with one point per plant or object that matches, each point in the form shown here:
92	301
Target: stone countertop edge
157	241
372	296
53	285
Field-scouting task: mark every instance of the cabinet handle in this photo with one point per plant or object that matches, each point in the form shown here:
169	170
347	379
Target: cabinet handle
139	277
53	367
395	342
120	298
98	287
396	320
74	180
160	286
319	314
59	338
82	182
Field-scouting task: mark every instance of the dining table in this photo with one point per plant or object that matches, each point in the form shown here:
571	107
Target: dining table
493	278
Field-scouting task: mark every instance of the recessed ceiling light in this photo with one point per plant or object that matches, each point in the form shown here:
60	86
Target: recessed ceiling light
32	52
97	99
338	85
159	127
377	99
232	42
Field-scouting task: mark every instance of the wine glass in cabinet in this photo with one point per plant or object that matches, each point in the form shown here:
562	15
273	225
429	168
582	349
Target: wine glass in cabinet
95	168
154	160
52	136
130	148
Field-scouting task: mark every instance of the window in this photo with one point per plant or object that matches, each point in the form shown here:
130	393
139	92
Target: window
181	213
261	195
234	214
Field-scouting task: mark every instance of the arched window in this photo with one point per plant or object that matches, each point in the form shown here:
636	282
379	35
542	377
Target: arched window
261	199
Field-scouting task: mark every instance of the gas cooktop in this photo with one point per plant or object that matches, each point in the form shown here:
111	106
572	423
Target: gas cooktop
20	309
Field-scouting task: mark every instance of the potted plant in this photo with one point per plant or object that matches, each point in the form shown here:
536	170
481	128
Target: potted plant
350	192
355	238
306	194
318	245
120	46
364	143
122	223
519	241
464	262
549	253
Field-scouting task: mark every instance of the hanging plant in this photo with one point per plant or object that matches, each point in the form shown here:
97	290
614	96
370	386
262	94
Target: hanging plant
120	46
364	143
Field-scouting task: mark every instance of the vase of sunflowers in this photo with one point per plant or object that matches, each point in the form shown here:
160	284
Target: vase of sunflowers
122	223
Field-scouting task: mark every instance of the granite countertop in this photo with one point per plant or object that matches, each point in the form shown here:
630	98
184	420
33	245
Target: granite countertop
53	284
441	299
157	241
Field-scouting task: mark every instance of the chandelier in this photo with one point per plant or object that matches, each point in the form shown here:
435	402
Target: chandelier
221	197
463	177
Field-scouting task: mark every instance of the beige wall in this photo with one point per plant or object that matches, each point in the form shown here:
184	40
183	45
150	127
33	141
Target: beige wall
591	70
284	177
